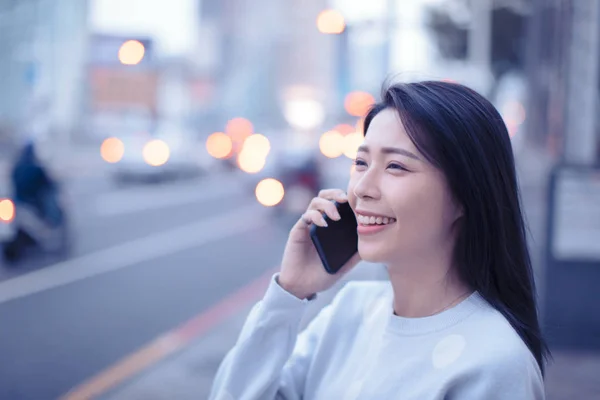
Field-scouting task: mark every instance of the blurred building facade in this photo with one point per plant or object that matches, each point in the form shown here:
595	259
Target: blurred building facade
564	118
563	72
42	48
266	53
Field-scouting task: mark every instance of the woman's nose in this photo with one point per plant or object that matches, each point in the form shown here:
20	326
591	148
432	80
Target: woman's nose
367	186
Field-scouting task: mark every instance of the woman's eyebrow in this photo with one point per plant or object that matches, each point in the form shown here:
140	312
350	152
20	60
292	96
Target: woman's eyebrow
391	150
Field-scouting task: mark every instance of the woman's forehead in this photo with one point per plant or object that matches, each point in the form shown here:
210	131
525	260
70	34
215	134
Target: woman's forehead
386	129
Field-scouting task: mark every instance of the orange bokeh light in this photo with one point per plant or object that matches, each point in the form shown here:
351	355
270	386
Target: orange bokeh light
358	103
269	192
239	129
331	144
514	113
360	126
352	143
219	145
7	210
112	150
251	162
131	52
344	129
331	22
258	144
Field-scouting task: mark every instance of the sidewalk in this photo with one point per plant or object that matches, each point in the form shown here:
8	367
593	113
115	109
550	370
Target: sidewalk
189	373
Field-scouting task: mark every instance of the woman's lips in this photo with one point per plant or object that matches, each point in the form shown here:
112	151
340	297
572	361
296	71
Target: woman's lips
372	229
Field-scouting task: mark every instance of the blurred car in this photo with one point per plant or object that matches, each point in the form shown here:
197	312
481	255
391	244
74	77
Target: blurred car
170	152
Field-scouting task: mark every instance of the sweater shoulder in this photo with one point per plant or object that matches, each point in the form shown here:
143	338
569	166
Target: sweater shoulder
499	346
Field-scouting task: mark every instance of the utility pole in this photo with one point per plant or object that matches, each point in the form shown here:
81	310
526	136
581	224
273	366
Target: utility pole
480	35
583	103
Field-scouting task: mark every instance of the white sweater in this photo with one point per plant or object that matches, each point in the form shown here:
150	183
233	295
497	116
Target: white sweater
356	348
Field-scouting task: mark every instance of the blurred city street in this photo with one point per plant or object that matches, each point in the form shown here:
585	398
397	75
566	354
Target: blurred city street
168	256
174	144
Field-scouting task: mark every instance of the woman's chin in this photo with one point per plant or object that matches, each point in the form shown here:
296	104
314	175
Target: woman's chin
370	253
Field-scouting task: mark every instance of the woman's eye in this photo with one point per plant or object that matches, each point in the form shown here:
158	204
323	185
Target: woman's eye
360	163
397	166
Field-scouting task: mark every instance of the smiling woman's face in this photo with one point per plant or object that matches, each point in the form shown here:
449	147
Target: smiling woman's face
393	181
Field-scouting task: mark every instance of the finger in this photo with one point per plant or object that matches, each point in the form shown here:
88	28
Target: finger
325	206
314	217
333	194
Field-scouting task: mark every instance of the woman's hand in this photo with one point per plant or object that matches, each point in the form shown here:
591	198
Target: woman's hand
302	272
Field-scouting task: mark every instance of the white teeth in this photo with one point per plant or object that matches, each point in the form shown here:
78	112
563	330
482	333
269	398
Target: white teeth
364	220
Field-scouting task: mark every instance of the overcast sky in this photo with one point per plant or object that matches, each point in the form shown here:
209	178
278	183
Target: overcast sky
172	23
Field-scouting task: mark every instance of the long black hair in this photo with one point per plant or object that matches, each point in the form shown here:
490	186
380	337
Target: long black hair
462	134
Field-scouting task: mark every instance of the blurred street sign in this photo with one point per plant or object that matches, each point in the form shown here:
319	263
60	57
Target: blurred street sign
123	87
113	88
576	233
571	300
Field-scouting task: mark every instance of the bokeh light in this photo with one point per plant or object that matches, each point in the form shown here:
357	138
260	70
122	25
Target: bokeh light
131	52
156	153
250	161
331	144
358	103
304	113
239	129
514	113
331	22
351	144
344	129
269	192
112	150
219	145
7	210
360	126
257	144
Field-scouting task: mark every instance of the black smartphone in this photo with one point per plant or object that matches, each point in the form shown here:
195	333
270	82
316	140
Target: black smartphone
338	241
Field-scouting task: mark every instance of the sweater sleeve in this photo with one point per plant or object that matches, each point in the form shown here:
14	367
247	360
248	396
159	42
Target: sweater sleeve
270	360
512	375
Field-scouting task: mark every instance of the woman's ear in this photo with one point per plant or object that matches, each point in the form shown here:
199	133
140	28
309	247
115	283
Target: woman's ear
459	210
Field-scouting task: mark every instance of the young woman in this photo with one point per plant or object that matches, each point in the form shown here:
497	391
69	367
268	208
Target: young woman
435	193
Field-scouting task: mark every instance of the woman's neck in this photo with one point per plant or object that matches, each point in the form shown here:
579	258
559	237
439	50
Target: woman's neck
425	288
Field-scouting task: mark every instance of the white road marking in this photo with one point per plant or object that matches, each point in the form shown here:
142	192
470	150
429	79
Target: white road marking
153	198
139	250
